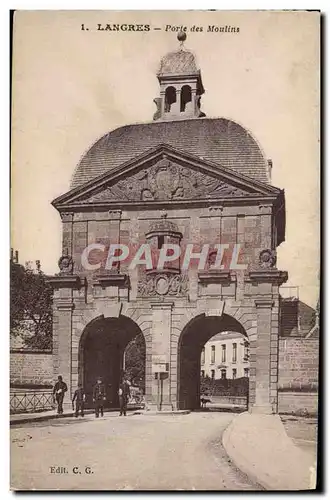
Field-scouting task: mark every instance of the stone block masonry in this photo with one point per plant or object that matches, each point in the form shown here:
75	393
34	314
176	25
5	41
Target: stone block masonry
298	376
31	368
298	363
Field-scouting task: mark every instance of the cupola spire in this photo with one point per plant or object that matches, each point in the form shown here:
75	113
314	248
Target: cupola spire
181	85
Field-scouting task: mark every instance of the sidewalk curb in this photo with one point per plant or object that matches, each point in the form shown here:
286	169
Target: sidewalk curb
165	412
259	446
43	418
239	464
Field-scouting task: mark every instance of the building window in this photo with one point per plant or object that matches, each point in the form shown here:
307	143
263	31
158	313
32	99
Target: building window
212	374
202	373
170	98
234	373
203	356
246	372
246	350
223	374
160	242
234	352
223	357
213	354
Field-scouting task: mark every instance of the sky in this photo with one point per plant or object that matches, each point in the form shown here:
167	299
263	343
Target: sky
71	86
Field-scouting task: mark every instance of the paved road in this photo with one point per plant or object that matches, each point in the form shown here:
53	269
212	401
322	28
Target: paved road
172	452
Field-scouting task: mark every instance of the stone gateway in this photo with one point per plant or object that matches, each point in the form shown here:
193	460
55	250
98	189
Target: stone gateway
181	179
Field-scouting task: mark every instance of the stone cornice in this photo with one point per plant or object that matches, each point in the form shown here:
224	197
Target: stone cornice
268	276
64	281
159	204
161	305
120	280
206	277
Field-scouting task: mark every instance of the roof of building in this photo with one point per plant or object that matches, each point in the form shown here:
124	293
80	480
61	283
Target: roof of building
218	140
178	62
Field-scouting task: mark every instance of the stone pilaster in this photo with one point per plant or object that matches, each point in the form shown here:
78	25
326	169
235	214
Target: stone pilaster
160	359
263	349
63	311
63	285
67	231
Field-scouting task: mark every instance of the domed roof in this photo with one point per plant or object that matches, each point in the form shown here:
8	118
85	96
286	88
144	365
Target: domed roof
178	62
218	140
163	225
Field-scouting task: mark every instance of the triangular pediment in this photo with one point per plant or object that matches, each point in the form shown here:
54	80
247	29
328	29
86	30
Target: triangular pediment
164	175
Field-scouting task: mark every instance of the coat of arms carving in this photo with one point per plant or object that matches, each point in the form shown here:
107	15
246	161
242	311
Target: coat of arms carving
167	180
163	182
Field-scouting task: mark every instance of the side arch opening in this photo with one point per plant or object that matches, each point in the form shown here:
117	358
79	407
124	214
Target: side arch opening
211	374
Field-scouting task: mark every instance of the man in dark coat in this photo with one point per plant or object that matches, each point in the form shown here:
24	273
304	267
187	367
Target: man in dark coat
59	390
79	397
124	394
99	396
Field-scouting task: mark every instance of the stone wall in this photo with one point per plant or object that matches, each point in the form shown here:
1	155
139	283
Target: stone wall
298	403
298	375
298	363
31	368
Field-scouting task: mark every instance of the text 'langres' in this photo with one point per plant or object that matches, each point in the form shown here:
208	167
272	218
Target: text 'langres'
123	27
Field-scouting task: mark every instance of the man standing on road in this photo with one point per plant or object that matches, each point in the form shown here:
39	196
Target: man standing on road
59	390
99	396
124	394
79	397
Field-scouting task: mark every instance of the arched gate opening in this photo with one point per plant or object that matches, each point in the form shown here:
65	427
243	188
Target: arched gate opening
192	340
101	354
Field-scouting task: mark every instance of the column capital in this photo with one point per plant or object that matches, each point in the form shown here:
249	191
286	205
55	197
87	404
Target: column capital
115	214
264	303
265	208
66	216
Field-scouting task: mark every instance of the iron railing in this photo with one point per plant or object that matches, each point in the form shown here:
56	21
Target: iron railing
24	402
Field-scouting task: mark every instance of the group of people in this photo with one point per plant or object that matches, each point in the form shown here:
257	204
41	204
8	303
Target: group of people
99	397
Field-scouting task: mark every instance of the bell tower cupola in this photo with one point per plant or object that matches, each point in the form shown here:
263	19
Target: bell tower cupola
181	85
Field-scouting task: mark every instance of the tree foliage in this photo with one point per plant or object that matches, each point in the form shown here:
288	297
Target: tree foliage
30	306
135	355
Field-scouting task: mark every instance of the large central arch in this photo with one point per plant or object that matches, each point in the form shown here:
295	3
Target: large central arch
101	352
192	339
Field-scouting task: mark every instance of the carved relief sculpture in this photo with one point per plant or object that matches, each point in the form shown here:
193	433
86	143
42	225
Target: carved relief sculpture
167	180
